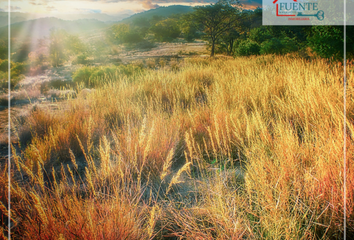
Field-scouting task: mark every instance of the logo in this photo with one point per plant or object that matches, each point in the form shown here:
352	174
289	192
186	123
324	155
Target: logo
295	10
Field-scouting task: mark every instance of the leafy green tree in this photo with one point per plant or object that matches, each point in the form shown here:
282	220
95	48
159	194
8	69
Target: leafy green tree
133	37
62	45
3	49
142	24
276	39
228	40
124	33
251	19
189	29
247	21
57	51
166	30
118	32
21	53
155	19
260	34
74	45
216	19
328	41
40	54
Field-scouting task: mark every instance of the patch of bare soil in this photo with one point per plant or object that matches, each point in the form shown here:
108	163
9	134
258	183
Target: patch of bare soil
165	50
63	73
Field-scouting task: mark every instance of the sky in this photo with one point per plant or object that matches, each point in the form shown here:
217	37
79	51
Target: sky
111	7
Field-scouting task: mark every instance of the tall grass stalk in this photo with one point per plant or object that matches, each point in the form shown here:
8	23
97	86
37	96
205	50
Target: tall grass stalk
214	149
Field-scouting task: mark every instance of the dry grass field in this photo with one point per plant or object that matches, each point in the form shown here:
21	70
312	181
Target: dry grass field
212	148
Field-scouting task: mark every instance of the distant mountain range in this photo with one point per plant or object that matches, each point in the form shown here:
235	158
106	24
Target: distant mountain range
21	17
39	28
36	28
126	15
160	11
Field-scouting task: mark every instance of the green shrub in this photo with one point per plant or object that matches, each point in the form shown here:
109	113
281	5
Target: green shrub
16	68
271	46
81	59
289	45
4	65
17	71
59	83
83	75
279	46
101	75
145	44
4	80
132	37
97	76
247	48
130	70
19	68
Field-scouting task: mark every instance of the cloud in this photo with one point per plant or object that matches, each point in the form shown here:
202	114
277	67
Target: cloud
12	8
149	2
38	3
149	5
251	4
51	9
146	4
88	10
185	1
95	11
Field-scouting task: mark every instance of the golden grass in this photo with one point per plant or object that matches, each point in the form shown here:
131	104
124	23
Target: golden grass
156	156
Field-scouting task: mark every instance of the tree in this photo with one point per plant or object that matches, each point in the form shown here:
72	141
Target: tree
188	28
142	24
247	20
118	32
251	19
327	41
3	49
216	19
124	33
62	45
74	44
166	30
22	51
228	39
155	19
57	51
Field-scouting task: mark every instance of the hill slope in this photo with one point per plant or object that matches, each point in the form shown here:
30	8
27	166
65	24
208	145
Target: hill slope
21	17
161	11
41	27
